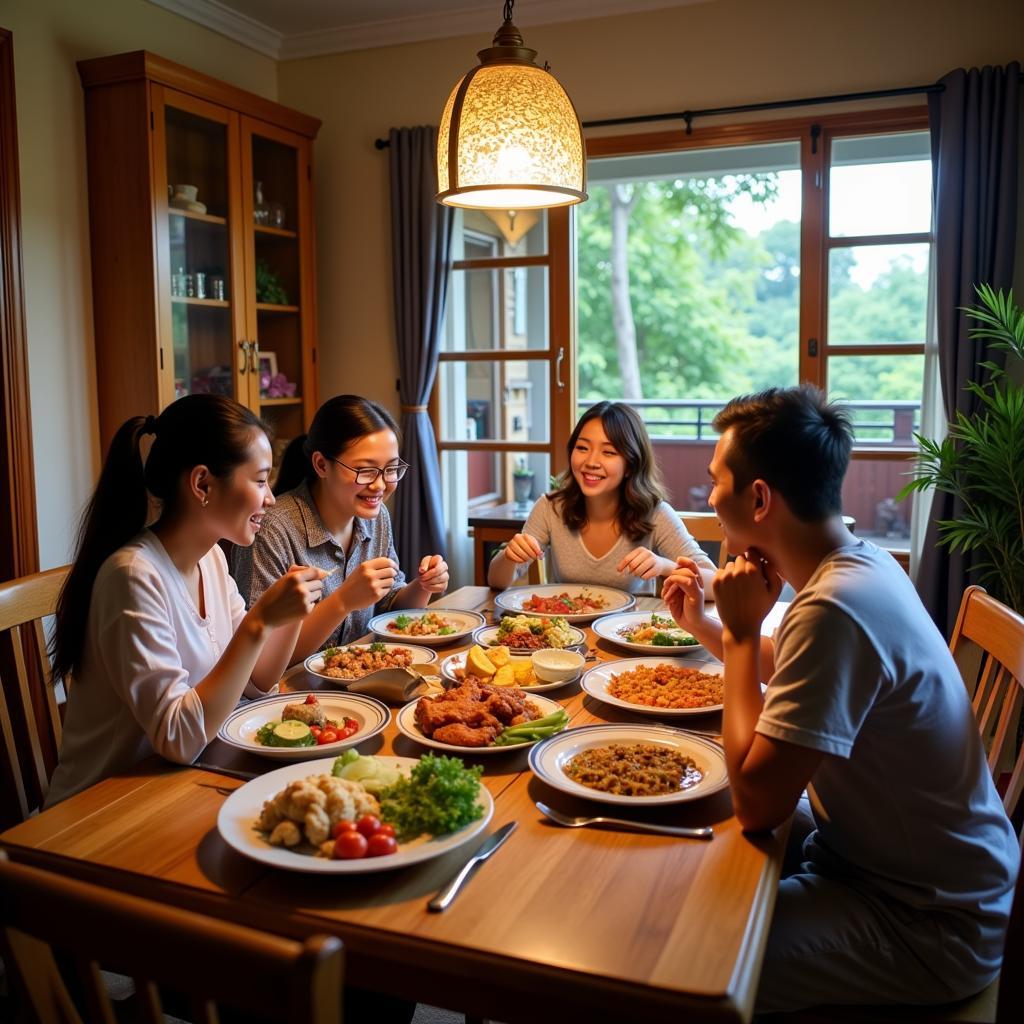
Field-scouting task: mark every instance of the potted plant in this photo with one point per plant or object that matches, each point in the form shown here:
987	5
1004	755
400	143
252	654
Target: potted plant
522	481
981	461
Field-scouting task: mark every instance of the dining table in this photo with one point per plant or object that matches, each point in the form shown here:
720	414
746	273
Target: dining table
594	924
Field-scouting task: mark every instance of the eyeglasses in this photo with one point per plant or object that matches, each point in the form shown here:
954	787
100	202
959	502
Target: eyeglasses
368	474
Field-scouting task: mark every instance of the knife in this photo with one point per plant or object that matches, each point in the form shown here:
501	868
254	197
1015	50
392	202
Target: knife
445	896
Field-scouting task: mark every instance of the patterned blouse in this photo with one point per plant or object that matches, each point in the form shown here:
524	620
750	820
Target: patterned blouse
292	533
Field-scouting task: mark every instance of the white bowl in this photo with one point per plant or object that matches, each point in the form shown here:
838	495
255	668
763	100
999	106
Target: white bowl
555	666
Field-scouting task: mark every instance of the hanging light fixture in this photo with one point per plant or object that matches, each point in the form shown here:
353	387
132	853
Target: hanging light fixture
510	138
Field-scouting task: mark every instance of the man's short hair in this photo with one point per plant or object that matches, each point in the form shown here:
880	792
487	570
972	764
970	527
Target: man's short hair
794	440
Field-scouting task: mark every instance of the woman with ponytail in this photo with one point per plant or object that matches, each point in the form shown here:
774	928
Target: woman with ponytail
150	627
330	513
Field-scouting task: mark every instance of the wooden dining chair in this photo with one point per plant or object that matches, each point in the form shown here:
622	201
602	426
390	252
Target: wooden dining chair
705	529
30	725
206	961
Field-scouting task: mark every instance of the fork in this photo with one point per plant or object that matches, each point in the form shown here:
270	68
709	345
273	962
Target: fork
635	826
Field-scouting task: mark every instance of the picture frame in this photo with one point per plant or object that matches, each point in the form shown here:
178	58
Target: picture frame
268	370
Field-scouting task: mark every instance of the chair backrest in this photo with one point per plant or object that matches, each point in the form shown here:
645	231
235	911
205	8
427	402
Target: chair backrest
209	961
988	646
705	528
29	718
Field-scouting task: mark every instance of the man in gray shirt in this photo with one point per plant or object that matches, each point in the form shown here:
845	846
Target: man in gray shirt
902	858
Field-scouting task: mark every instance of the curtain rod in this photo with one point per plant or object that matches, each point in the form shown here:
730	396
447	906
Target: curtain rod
688	116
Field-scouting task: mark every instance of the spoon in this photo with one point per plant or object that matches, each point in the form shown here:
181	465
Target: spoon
633	826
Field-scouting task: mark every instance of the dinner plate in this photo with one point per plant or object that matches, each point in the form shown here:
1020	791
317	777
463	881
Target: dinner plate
314	664
609	626
454	661
487	636
242	724
511	601
549	757
597	680
464	622
405	719
240	812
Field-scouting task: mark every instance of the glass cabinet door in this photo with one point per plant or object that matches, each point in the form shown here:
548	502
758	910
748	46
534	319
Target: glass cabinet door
275	188
201	281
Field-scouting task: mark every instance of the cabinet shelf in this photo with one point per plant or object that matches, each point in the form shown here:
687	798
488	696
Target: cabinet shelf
263	229
208	303
294	400
270	307
205	218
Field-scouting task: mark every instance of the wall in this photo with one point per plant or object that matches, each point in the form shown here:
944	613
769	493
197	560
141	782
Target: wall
712	54
49	37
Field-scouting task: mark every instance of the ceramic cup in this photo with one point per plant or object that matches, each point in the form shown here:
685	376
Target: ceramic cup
186	192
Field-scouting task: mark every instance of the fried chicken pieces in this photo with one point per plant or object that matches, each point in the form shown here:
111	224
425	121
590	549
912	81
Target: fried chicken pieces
473	714
316	803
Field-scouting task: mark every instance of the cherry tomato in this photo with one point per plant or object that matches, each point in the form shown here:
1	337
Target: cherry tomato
349	846
315	730
346	732
368	824
380	845
327	736
342	826
311	698
351	723
385	830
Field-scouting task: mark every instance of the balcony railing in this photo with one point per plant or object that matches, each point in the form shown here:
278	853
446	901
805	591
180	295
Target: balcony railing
876	423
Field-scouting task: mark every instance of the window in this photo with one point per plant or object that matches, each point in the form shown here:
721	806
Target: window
742	258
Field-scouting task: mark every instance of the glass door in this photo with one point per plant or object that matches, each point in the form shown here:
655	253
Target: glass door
199	266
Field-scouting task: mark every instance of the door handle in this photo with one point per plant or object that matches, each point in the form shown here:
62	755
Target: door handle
244	346
558	369
254	356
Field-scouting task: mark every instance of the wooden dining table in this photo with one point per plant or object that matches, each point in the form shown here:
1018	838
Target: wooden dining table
559	924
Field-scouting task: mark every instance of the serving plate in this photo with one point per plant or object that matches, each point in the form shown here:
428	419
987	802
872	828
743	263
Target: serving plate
314	664
240	728
406	722
548	758
240	812
487	636
511	601
608	627
596	681
464	622
454	661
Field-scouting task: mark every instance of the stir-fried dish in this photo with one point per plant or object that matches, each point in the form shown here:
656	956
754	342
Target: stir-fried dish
355	662
564	604
430	624
634	769
668	686
529	633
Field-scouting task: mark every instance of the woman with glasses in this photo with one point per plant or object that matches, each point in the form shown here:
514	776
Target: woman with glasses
330	513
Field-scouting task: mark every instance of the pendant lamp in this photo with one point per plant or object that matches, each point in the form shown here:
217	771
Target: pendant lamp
509	137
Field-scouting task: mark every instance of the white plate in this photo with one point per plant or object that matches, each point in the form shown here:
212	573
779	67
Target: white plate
454	661
239	813
487	636
548	757
406	722
464	622
242	724
608	627
314	664
511	601
597	680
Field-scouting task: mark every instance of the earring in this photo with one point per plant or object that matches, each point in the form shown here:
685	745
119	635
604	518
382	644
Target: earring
206	501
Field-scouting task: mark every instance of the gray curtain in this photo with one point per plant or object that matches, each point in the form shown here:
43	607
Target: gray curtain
421	231
974	131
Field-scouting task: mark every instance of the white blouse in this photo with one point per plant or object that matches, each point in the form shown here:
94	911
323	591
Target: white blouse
146	647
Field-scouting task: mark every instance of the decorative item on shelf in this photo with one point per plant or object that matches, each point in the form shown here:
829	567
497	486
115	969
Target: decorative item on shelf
268	286
277	215
510	138
178	281
522	481
272	383
260	210
213	380
200	285
217	288
183	197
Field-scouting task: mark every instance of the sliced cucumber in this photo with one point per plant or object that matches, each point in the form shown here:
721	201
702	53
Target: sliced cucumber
292	734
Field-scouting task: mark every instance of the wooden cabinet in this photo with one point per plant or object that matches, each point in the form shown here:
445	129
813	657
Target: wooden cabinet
201	228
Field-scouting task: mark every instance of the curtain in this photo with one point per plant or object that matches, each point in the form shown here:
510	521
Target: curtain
974	130
421	232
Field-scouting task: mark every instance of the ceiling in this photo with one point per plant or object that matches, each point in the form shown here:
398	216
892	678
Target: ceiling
288	29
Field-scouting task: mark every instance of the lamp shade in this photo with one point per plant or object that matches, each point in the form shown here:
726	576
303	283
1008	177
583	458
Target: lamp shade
509	137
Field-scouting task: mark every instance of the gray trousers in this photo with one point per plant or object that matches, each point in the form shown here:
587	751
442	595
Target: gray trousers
831	942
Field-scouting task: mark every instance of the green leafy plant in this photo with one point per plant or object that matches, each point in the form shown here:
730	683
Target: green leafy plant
981	461
521	468
268	286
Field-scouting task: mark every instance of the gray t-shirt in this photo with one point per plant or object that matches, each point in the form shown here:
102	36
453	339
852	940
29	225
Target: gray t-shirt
293	533
905	804
569	561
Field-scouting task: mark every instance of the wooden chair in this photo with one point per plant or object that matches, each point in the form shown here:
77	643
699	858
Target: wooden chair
705	528
208	961
29	718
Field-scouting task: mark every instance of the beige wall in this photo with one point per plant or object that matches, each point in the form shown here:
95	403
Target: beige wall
713	54
49	36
